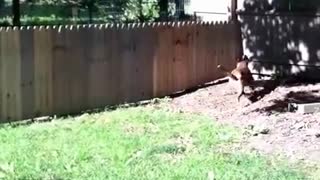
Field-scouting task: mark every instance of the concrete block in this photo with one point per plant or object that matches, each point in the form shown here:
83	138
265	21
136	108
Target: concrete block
305	108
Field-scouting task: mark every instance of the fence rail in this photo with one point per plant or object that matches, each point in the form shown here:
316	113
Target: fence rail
66	69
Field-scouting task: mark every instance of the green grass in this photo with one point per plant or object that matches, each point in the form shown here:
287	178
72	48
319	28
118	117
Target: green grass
134	143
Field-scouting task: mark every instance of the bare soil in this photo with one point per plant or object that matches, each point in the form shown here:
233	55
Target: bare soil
267	125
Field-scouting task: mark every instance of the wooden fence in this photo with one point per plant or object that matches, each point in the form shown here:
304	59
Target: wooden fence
67	69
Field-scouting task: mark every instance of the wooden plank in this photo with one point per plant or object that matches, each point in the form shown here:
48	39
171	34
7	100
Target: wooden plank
145	48
168	44
214	44
205	53
115	64
224	45
221	48
181	54
166	60
156	81
219	38
176	41
189	57
27	73
61	66
17	111
128	79
150	59
134	60
159	63
109	80
208	53
43	72
185	54
204	49
237	39
232	41
70	68
163	62
201	58
6	35
11	77
194	60
2	87
82	70
78	69
98	69
229	55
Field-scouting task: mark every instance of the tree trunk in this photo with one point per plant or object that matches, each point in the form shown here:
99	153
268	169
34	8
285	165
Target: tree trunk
140	9
90	12
163	4
16	12
179	9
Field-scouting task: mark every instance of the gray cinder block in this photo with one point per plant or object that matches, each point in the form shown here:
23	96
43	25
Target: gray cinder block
304	108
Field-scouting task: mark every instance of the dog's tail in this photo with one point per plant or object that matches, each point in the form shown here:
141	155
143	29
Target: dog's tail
227	72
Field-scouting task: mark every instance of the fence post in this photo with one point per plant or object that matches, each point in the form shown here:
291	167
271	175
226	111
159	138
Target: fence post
233	10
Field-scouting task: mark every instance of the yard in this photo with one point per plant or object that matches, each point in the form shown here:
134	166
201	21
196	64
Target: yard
200	134
145	142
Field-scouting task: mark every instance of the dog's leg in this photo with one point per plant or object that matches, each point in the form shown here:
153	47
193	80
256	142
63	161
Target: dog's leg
240	90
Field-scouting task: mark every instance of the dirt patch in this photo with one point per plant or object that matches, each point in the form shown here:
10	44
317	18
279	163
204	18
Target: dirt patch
264	117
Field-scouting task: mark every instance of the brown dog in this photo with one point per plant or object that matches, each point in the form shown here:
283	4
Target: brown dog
241	74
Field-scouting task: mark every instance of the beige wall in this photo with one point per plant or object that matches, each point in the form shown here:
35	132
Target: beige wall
218	6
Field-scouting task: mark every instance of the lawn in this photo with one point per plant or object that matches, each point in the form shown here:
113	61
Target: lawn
130	143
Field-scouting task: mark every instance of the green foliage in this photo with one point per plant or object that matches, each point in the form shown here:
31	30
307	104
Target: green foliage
6	21
46	12
135	143
136	10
